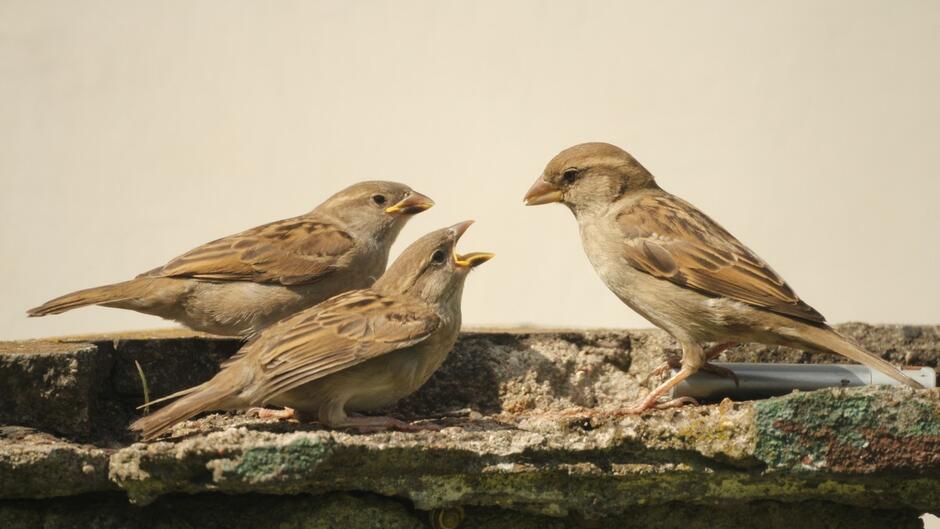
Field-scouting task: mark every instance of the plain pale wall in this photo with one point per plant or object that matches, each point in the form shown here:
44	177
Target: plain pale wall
132	131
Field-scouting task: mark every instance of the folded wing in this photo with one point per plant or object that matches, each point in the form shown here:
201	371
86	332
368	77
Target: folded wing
340	333
289	252
669	238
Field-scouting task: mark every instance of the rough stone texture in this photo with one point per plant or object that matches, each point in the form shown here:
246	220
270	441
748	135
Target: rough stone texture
89	390
763	514
332	511
37	465
529	441
329	511
38	378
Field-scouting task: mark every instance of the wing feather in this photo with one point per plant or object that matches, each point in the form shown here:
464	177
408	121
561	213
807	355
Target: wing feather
293	251
337	334
669	238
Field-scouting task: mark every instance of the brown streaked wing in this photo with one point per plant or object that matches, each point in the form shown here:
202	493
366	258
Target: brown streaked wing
341	332
293	251
669	238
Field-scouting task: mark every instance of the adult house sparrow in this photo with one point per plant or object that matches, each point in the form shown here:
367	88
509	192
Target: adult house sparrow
239	284
678	268
358	351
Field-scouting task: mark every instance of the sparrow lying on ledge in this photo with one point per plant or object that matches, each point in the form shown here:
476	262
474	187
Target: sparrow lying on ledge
678	268
359	351
242	283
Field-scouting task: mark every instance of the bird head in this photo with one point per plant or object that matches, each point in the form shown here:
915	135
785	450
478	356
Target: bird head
375	208
431	268
588	177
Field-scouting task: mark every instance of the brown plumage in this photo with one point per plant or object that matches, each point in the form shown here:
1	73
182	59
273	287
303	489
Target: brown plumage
288	252
239	284
669	238
677	267
358	351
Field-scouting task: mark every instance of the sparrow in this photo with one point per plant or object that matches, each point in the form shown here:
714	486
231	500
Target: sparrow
358	351
240	284
678	268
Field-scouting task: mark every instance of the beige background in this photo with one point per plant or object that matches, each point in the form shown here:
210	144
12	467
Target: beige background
133	131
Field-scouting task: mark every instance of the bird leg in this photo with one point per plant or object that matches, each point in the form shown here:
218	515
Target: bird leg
650	401
717	349
674	363
268	413
723	372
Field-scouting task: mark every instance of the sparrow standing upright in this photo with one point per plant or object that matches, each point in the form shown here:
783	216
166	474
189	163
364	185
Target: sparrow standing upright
678	268
242	283
358	351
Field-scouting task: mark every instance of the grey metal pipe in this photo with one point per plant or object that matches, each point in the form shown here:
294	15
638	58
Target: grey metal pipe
760	381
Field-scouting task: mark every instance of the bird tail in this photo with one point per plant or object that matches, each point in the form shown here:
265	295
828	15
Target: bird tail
190	402
828	339
107	294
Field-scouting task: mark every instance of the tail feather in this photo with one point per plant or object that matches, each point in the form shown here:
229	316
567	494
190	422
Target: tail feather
171	396
830	340
90	296
191	402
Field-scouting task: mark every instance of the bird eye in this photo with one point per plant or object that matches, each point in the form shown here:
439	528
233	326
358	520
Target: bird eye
378	199
570	175
438	257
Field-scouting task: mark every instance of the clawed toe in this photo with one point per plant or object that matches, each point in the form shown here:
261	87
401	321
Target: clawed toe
676	403
648	404
267	413
422	427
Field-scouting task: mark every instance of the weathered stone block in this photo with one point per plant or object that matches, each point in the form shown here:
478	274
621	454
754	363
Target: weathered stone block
37	465
52	386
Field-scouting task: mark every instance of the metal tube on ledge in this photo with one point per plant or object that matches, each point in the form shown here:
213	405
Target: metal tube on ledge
760	381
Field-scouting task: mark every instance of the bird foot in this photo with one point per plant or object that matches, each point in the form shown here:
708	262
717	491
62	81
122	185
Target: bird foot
677	403
672	362
676	363
648	404
268	413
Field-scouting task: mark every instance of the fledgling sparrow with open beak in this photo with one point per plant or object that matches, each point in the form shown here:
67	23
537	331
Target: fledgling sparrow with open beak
240	284
678	268
356	352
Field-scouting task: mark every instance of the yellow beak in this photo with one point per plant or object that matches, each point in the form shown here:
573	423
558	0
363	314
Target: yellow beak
472	259
469	260
542	193
413	203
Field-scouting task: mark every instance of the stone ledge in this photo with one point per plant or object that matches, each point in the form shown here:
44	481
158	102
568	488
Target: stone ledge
868	447
526	455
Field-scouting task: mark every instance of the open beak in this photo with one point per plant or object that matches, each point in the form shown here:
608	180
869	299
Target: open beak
413	203
542	193
472	259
